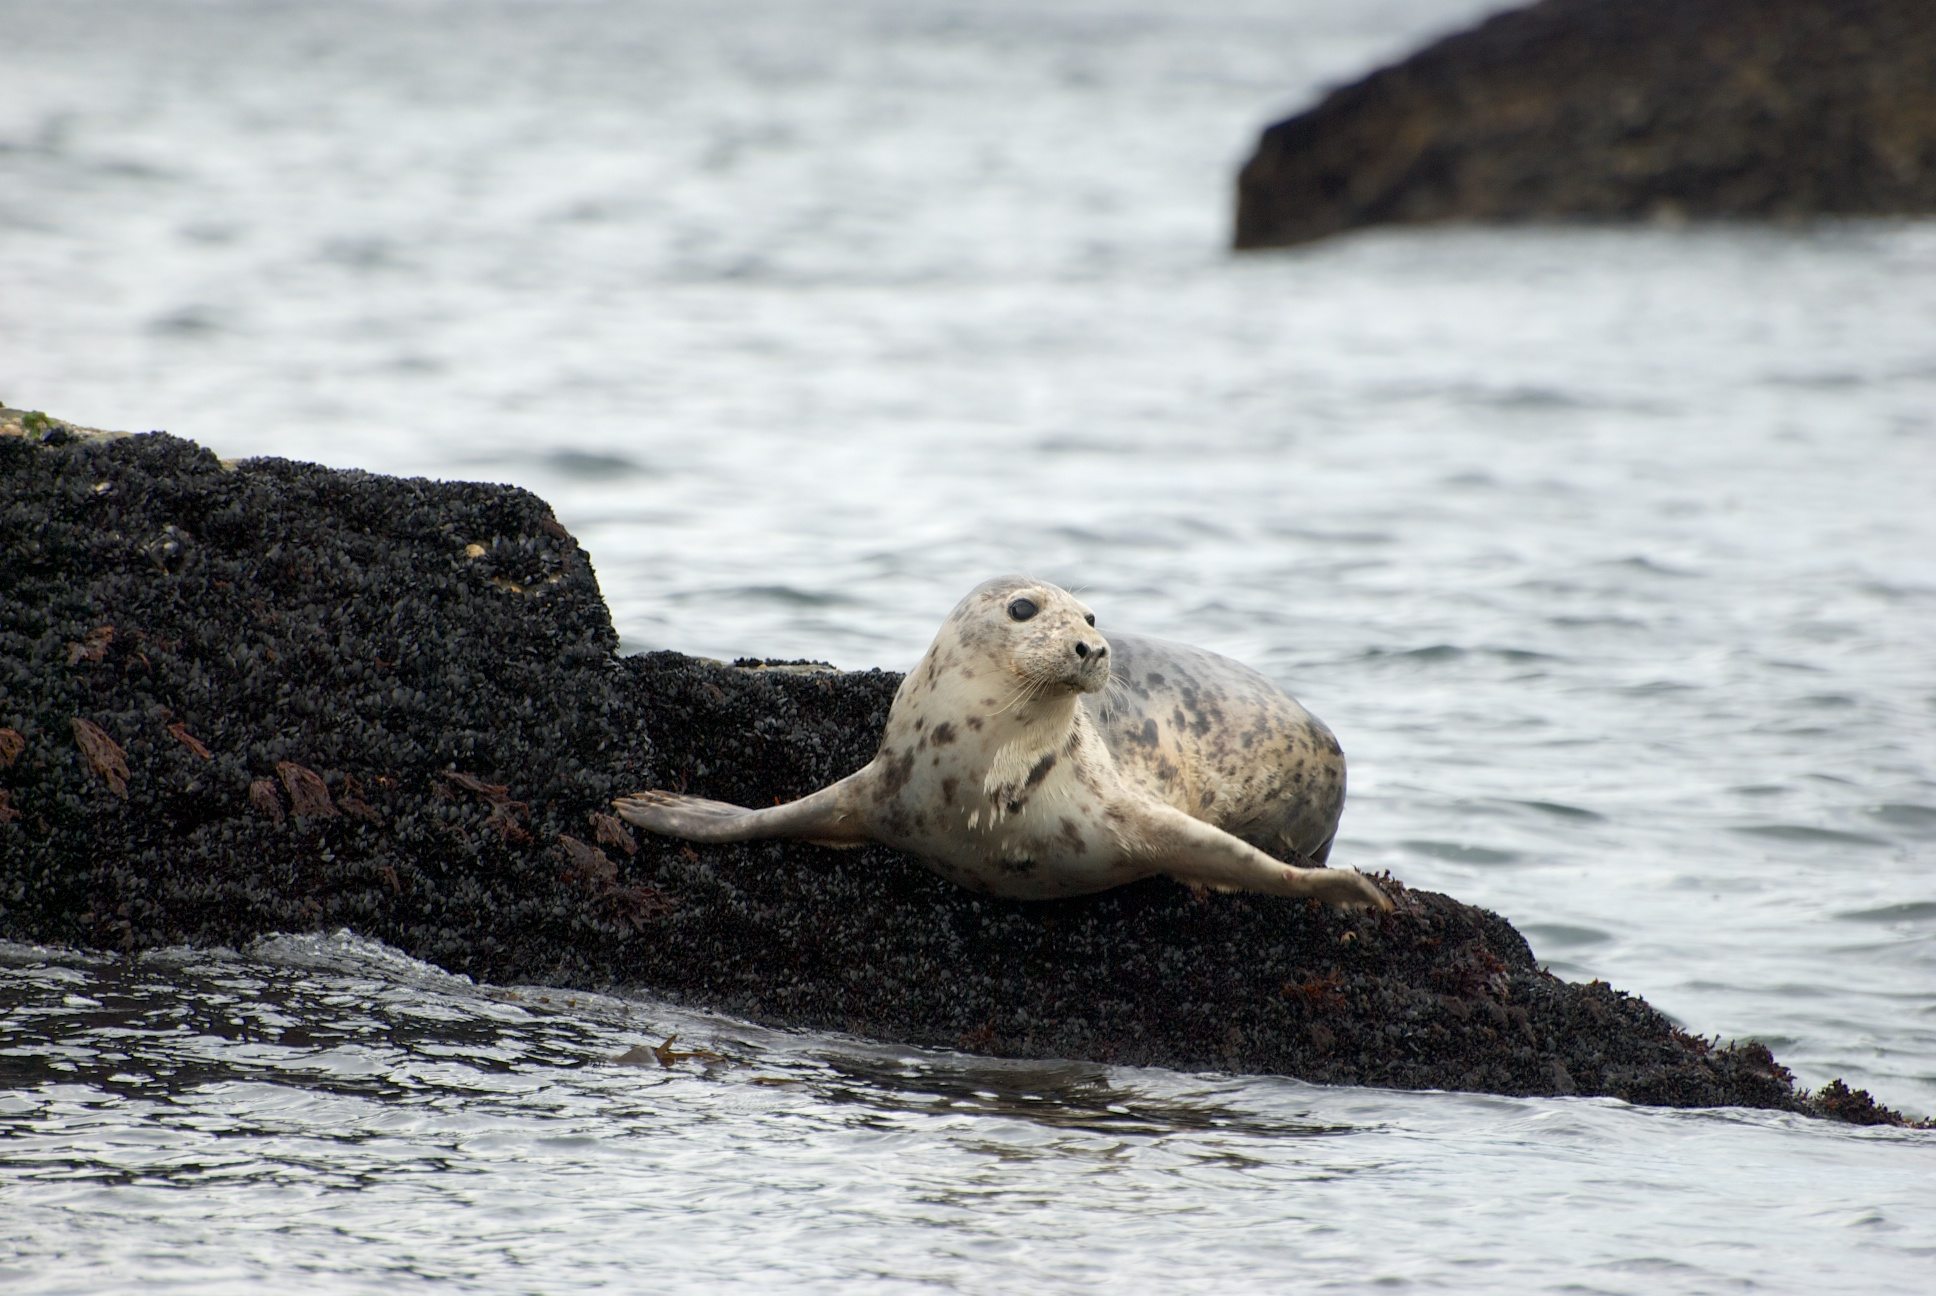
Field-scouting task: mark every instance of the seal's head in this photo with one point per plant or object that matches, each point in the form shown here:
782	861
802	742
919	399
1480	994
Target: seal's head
1042	634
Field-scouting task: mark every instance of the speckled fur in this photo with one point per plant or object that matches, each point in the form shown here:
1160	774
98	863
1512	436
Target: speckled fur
1037	758
1223	744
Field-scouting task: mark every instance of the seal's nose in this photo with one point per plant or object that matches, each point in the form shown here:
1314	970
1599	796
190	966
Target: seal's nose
1084	650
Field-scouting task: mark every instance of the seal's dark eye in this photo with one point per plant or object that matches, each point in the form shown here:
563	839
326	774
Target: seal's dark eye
1021	609
1090	617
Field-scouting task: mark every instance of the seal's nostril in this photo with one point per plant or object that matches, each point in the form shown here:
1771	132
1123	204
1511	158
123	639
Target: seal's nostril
1082	649
1103	651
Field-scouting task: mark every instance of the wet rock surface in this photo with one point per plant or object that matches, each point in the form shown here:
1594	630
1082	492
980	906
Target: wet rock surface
279	697
1617	110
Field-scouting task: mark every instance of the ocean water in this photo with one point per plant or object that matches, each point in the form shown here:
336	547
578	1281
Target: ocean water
1606	552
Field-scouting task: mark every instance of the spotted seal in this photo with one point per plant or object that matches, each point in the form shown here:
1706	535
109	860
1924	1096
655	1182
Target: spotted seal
1028	756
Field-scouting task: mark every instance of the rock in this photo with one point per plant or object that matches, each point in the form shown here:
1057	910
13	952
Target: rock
343	700
1618	110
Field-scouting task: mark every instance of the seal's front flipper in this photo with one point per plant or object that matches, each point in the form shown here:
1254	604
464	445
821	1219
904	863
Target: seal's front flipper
820	818
1190	850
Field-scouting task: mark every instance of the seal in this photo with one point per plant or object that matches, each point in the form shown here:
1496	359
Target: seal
1028	756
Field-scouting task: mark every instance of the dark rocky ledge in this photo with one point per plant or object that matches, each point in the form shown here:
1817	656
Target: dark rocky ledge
1618	110
278	697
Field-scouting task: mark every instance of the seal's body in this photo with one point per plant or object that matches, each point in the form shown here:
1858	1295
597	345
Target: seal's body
1028	756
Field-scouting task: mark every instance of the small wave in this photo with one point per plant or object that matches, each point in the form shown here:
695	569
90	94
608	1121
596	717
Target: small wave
1564	935
1431	652
1328	536
1818	380
787	595
1650	566
1909	911
1058	1095
1453	652
344	951
1593	622
1528	397
1806	833
592	465
362	253
188	321
1458	853
1064	443
128	168
1560	809
1893	592
1655	688
1827	701
1519	397
1920	819
1115	539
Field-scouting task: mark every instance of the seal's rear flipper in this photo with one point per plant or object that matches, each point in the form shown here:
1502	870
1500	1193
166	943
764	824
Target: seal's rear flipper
693	818
818	818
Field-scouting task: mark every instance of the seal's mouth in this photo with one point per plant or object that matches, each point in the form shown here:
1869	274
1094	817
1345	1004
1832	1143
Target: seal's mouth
1078	677
1092	676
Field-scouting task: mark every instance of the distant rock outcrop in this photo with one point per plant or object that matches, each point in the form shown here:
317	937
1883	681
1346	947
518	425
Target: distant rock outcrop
1618	110
269	696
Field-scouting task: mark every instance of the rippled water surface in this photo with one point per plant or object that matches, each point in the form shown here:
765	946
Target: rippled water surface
1606	553
324	1111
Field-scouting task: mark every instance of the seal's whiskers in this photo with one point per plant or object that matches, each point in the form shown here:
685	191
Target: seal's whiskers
1029	690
